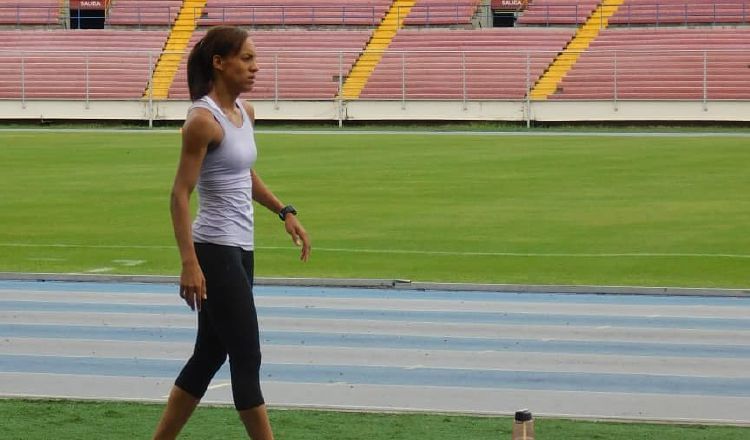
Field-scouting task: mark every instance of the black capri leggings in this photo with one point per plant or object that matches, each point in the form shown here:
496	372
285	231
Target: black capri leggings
227	325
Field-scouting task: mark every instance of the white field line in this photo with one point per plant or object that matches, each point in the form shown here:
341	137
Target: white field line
47	259
101	270
129	263
85	246
413	252
355	132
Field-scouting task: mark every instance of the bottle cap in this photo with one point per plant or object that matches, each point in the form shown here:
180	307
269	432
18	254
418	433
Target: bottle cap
523	415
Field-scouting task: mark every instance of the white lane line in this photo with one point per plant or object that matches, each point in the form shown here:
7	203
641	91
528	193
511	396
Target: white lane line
409	359
211	387
566	404
137	298
421	252
343	327
738	310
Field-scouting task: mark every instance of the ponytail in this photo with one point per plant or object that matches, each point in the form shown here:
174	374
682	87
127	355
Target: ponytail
199	72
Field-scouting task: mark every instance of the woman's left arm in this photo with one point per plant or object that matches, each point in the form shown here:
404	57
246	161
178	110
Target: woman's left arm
265	197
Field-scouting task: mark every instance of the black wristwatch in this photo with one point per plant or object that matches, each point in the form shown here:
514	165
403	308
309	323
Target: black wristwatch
288	209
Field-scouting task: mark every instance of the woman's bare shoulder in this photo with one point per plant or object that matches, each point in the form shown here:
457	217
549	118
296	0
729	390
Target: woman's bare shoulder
201	124
249	109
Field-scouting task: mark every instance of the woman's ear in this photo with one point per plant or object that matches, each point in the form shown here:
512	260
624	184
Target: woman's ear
218	62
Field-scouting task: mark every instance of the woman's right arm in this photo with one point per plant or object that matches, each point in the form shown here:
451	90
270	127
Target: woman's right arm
198	133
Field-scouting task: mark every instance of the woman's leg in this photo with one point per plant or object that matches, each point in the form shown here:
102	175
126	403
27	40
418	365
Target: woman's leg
179	408
236	322
255	419
208	356
256	423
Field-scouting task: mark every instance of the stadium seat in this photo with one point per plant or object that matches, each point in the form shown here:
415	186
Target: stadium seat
80	64
441	13
671	12
557	12
429	64
143	12
663	63
633	59
39	12
294	12
294	64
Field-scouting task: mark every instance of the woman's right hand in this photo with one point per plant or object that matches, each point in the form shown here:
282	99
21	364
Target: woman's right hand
193	286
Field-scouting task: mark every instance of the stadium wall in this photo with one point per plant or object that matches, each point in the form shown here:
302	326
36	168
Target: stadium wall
361	110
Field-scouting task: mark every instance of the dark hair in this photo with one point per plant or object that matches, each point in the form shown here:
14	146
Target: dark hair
220	40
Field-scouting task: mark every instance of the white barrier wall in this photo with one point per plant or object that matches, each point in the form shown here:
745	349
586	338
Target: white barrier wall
514	111
726	111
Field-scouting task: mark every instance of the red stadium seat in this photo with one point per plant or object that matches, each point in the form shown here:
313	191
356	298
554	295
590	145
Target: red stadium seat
664	63
294	64
143	12
38	12
98	64
557	12
294	12
430	63
441	12
671	12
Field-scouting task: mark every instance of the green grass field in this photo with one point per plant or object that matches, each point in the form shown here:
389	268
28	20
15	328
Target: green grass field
72	420
657	211
503	209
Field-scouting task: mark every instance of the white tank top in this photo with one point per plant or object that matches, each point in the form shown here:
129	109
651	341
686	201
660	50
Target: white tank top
225	208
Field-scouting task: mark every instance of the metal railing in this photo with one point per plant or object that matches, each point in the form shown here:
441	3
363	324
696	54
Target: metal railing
608	75
19	15
564	14
254	16
654	13
419	15
443	14
292	15
667	74
75	75
569	12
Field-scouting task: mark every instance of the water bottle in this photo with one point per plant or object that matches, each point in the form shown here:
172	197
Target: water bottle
523	426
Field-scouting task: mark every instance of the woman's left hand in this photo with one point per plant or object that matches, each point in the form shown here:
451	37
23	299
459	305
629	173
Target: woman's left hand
299	235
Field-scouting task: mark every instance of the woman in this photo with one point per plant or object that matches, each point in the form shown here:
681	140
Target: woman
218	153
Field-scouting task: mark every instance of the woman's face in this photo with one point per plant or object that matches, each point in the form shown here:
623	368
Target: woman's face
239	70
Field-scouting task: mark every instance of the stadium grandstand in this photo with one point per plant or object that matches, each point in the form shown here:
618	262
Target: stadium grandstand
285	59
17	13
366	59
62	64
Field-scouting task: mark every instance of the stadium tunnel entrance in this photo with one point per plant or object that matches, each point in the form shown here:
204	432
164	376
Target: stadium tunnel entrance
88	14
505	12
